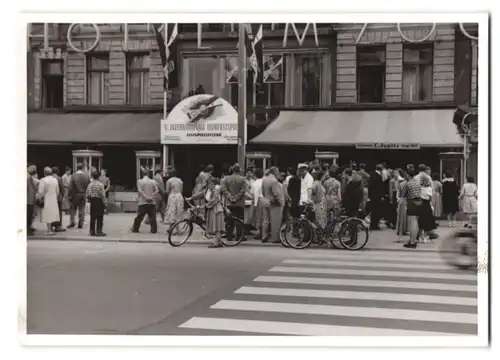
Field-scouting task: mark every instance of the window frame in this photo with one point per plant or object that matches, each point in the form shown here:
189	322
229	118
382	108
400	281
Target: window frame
103	71
44	82
418	64
142	70
360	64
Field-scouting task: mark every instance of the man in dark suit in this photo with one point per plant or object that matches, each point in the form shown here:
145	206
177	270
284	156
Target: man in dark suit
58	225
233	189
77	195
353	194
293	192
376	192
272	205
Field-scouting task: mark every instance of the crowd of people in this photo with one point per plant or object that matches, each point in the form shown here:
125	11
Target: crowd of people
408	200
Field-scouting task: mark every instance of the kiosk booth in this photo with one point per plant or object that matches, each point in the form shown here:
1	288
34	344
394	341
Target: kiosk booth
90	158
452	162
149	159
329	156
259	159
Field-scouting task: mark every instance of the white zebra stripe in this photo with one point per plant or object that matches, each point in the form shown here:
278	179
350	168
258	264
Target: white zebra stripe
377	313
357	295
286	328
421	258
408	274
367	264
366	283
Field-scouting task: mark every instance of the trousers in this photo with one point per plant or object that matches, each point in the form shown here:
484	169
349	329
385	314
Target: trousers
272	216
77	203
143	210
96	215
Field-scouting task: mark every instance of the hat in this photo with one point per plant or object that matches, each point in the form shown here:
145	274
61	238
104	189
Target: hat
302	165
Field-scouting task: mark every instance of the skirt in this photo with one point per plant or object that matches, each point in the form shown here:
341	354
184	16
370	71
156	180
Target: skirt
214	221
402	218
426	220
175	208
321	213
437	204
469	205
332	202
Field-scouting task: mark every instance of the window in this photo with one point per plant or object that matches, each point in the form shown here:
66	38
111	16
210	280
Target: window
417	73
274	76
307	80
137	78
52	84
370	74
97	79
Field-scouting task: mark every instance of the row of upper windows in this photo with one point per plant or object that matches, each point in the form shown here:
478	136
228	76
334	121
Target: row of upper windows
290	79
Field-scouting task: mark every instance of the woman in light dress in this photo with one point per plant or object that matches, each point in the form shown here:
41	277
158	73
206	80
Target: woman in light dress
450	193
468	196
48	191
332	192
175	202
437	198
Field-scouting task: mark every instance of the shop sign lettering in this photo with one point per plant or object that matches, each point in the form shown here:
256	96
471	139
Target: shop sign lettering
299	37
393	146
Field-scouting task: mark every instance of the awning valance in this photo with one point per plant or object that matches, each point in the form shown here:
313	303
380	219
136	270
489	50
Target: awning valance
106	128
427	128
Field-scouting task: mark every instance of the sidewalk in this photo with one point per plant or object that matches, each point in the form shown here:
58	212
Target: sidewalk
117	227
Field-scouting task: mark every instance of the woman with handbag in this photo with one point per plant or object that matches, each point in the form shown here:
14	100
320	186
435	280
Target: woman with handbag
48	192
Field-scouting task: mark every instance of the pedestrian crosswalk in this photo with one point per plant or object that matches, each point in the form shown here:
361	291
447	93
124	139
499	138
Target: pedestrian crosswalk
373	293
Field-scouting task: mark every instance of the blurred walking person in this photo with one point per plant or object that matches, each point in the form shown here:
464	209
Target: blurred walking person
146	202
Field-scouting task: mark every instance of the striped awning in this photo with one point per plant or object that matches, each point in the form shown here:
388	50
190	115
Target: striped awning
427	128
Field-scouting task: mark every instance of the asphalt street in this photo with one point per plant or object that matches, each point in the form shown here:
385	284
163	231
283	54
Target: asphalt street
154	289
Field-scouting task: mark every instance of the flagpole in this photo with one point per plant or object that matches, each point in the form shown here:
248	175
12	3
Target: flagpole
165	97
242	96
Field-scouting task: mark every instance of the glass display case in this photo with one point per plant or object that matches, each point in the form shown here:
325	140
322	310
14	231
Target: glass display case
89	158
453	163
259	159
327	156
149	159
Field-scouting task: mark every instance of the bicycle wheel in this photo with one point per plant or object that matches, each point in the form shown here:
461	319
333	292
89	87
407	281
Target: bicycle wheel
283	235
238	232
353	234
460	250
299	233
333	238
180	232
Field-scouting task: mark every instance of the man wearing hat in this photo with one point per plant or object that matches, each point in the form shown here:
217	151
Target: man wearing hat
306	184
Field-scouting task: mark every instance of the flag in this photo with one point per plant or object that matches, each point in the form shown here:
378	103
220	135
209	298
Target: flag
257	55
273	68
168	53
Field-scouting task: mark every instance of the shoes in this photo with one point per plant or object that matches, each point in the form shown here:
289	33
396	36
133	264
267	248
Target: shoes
134	231
213	246
257	237
60	229
80	226
410	245
72	225
100	234
91	234
265	240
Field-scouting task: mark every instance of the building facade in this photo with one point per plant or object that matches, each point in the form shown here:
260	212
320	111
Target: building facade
348	88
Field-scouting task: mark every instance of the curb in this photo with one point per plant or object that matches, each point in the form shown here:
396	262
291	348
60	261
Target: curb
194	242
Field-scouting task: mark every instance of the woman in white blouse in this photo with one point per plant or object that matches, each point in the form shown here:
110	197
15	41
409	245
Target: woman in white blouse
468	196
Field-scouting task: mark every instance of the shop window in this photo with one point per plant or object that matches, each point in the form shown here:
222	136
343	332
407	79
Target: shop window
138	66
188	28
370	74
52	84
417	72
97	79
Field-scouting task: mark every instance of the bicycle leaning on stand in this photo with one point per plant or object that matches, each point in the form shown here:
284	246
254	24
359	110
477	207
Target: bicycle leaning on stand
351	233
180	232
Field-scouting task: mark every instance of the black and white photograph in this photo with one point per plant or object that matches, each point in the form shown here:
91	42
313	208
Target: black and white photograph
214	181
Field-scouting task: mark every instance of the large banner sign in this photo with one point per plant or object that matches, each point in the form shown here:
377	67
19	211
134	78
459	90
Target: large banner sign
386	146
201	119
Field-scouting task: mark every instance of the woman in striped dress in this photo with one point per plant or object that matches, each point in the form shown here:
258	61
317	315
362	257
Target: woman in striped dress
214	213
402	218
437	199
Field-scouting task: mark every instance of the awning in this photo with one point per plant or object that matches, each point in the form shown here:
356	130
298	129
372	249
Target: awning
430	128
107	128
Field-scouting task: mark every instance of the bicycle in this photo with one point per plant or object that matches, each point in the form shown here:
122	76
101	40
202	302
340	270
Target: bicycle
185	227
339	227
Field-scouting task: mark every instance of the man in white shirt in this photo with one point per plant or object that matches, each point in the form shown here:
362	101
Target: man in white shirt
257	206
306	184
